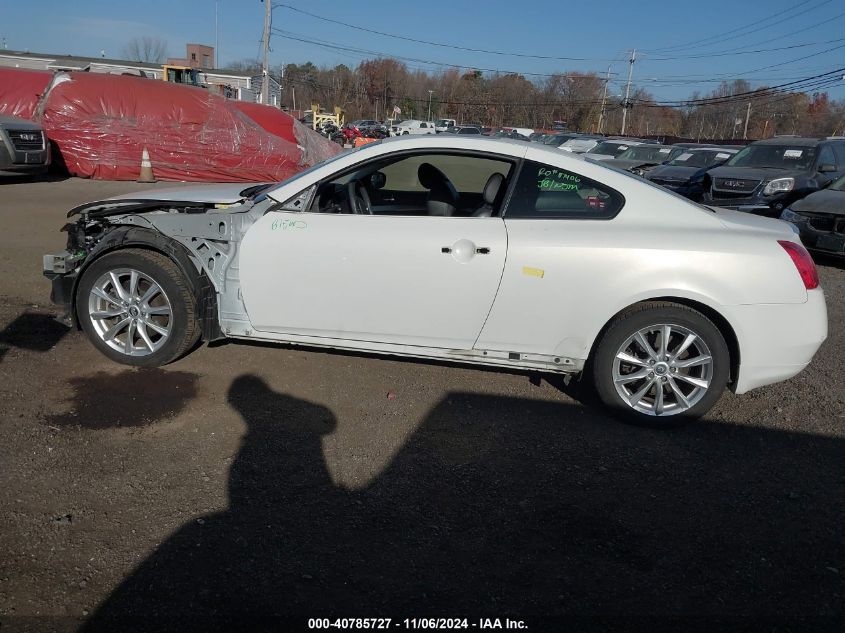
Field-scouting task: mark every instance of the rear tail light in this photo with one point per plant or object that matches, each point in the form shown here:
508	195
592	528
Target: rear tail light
803	262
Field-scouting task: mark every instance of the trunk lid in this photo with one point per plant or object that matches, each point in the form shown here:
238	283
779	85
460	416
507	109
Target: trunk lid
740	220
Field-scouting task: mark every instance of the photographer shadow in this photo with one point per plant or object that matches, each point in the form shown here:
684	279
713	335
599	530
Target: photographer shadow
498	506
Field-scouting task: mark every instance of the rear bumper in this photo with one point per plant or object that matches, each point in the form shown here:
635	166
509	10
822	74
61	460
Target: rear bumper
777	341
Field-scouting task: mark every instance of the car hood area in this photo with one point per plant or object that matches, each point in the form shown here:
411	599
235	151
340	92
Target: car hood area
754	173
14	123
221	193
630	163
593	156
826	201
672	172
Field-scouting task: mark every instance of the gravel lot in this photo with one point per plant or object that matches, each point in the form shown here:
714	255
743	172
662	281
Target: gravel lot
248	480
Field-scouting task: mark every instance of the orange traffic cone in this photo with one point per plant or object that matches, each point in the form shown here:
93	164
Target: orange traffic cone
146	174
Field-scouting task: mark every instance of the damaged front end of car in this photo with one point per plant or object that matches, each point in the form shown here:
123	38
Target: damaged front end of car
202	238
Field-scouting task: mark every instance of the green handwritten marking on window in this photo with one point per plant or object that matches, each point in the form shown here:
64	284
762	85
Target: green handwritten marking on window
286	225
550	179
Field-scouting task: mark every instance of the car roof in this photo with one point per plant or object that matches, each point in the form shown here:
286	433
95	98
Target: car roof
481	143
799	141
711	148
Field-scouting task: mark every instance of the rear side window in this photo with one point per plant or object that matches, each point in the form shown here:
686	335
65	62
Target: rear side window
839	148
545	191
826	156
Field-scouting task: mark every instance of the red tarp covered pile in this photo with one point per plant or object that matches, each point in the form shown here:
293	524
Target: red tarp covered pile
100	125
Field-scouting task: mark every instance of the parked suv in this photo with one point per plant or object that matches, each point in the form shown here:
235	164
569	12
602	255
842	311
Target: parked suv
24	148
767	176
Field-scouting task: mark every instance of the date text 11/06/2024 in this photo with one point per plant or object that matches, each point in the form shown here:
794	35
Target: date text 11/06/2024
431	624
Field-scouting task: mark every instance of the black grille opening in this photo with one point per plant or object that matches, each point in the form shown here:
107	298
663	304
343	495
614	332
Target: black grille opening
729	194
822	224
735	184
26	139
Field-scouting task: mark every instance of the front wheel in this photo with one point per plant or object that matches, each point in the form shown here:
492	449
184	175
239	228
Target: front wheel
661	364
137	308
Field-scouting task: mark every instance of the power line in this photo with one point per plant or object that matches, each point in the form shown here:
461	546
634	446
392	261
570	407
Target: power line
740	52
718	38
766	41
769	94
793	84
735	75
300	38
440	44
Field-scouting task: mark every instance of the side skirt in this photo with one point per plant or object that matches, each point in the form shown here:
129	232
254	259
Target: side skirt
514	360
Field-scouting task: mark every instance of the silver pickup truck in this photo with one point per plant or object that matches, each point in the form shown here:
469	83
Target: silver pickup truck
24	148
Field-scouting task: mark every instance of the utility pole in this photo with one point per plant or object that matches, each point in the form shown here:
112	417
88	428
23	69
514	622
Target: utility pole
603	101
265	52
627	104
216	34
747	116
429	105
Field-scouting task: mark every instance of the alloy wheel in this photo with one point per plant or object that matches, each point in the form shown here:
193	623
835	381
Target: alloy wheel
130	312
663	369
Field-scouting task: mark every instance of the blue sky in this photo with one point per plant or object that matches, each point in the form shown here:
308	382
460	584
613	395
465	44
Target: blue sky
677	40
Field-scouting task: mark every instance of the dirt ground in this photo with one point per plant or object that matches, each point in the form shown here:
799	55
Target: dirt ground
246	482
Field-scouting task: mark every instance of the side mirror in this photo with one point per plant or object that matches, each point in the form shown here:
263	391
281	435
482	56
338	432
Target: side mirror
826	168
378	180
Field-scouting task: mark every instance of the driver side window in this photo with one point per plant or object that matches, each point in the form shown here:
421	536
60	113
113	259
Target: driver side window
427	183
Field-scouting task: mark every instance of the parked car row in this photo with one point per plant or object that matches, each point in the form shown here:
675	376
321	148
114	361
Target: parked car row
800	180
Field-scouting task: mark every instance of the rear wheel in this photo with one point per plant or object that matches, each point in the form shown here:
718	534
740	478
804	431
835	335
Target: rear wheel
137	308
661	364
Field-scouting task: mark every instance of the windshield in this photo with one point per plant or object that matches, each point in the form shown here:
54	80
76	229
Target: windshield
581	142
558	139
609	165
322	163
610	149
652	153
700	159
444	122
774	156
838	185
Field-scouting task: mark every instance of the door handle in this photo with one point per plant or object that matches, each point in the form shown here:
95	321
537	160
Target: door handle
464	250
482	250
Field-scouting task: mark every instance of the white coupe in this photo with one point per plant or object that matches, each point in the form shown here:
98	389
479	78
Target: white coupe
471	250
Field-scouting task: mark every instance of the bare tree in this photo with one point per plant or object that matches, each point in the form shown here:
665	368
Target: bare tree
148	49
249	65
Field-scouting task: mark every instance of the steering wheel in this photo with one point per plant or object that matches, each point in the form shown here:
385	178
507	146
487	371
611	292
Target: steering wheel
352	190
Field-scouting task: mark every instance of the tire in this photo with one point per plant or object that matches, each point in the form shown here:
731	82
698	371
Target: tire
141	326
689	384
